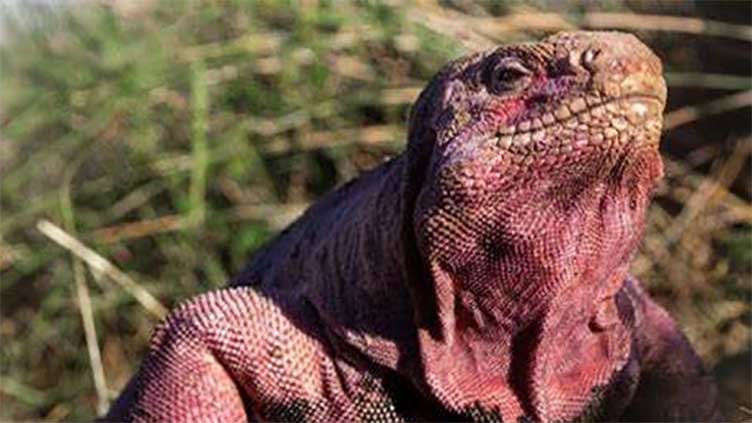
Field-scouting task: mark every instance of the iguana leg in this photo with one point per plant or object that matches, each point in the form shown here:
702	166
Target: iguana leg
181	378
230	355
673	385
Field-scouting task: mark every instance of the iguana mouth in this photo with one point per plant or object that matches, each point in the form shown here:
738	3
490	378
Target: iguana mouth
604	122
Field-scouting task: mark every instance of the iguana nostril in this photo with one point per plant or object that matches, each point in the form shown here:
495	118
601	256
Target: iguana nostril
588	58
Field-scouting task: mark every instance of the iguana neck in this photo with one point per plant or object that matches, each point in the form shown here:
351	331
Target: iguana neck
344	262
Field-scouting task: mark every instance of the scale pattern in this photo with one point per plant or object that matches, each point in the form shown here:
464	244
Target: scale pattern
479	276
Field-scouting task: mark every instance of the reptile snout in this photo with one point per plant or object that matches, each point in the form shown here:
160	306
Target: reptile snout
619	64
620	73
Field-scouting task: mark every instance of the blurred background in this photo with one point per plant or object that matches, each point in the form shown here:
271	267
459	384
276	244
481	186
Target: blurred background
147	148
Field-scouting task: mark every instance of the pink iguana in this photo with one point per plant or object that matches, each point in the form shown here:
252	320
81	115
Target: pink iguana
481	275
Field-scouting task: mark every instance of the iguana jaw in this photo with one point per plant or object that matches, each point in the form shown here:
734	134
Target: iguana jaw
585	121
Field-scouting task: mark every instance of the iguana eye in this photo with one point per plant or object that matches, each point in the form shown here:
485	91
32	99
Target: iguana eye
508	76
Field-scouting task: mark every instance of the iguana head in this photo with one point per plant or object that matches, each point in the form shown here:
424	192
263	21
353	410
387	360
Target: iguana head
534	165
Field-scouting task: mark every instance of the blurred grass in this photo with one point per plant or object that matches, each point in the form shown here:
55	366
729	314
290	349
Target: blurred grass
176	137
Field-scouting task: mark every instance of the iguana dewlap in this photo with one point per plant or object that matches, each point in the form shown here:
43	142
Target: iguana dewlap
481	275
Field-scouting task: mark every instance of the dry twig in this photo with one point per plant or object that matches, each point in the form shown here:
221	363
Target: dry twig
142	228
691	113
82	290
102	266
475	32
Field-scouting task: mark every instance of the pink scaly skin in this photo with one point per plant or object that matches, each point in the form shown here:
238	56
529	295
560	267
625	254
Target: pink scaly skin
481	275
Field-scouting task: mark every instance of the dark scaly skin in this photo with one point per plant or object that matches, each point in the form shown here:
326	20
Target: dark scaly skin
481	275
